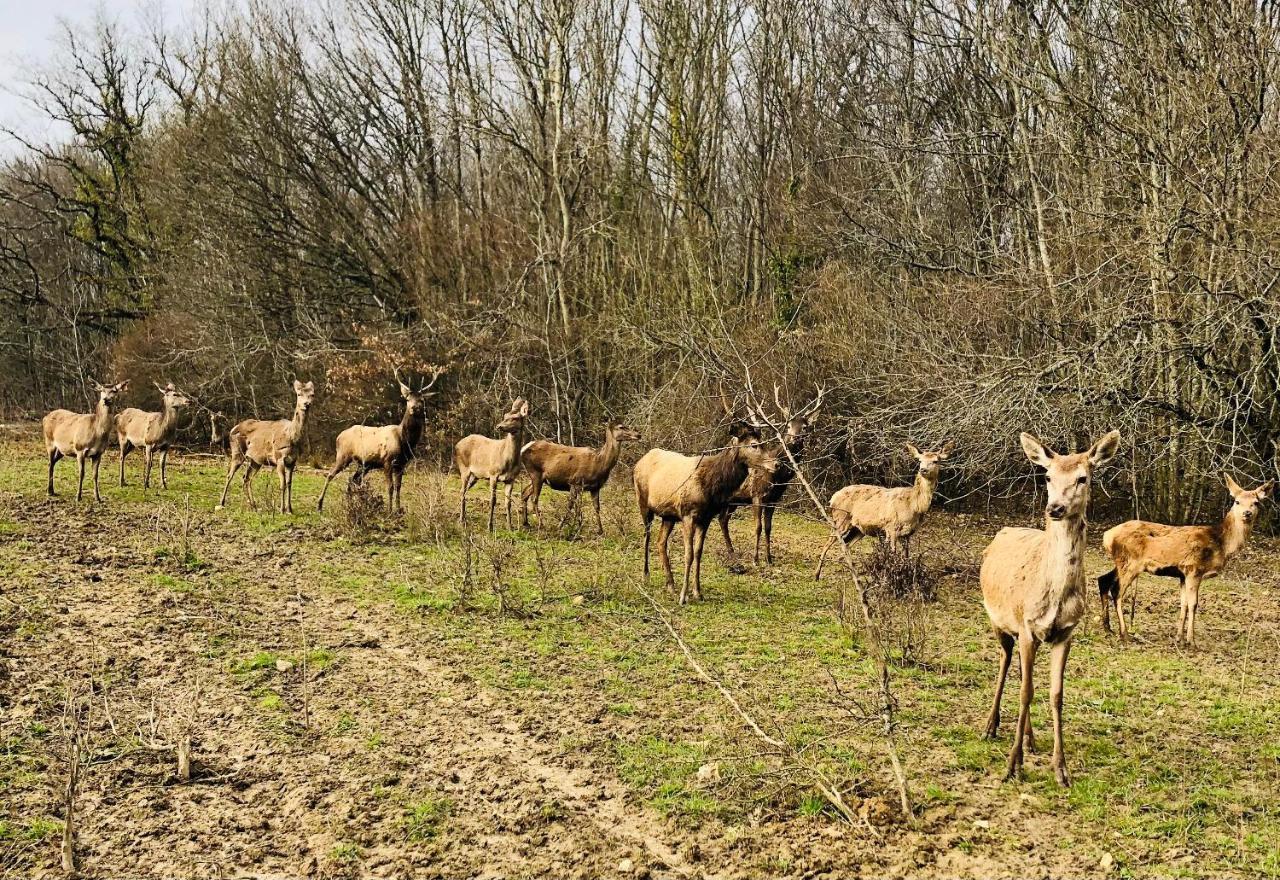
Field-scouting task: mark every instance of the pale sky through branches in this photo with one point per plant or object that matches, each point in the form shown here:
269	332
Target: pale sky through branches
30	36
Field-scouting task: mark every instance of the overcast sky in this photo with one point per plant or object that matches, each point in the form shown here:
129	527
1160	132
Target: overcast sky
29	35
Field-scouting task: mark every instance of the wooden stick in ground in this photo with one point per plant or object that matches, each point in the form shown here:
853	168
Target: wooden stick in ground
887	702
824	785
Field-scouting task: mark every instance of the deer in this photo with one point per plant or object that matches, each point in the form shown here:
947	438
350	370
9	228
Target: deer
84	435
894	514
762	489
575	469
1189	553
152	431
479	457
389	447
1033	588
257	444
692	490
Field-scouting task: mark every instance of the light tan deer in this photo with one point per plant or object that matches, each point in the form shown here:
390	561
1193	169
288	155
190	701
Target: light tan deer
691	490
893	513
84	435
575	469
257	444
152	431
1033	588
1189	553
389	447
498	461
764	489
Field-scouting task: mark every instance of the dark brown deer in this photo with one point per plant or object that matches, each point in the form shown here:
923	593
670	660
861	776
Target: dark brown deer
575	469
1189	553
389	447
256	444
152	431
691	490
763	489
84	435
498	461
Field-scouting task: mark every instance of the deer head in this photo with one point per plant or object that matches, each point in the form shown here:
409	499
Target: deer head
172	397
1069	476
306	394
1245	503
514	419
927	463
798	423
416	401
107	394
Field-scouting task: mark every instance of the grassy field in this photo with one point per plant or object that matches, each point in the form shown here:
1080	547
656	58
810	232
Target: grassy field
368	696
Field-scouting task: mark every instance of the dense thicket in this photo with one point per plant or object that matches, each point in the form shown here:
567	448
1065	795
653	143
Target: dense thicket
967	218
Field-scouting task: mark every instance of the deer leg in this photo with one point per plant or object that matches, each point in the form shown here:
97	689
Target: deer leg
648	522
1193	605
1057	672
510	488
1124	583
686	531
1027	654
231	472
124	450
164	468
149	454
338	467
758	509
288	486
97	492
54	455
574	492
1106	583
664	554
728	542
389	470
699	538
80	488
595	502
530	491
768	533
468	479
1006	656
250	470
817	575
398	475
493	499
282	474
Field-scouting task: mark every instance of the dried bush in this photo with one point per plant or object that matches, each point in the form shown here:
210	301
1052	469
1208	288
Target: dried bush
901	591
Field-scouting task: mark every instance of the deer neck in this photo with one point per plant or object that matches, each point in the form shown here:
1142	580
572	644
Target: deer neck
411	427
511	446
298	425
102	420
168	417
1063	555
609	450
922	492
1233	531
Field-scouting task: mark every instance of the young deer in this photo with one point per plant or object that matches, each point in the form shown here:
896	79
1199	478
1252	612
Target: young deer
894	513
153	431
691	490
256	444
763	490
1189	553
389	447
498	461
574	469
1033	588
84	435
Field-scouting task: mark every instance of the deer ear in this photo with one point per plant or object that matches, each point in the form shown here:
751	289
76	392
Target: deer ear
1233	487
915	453
404	390
123	386
524	408
310	386
1264	490
1036	451
297	387
947	448
1105	449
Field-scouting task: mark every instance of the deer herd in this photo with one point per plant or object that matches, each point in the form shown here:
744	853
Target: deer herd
1032	580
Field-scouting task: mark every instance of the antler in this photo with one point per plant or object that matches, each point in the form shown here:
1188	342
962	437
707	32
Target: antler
434	376
777	401
814	405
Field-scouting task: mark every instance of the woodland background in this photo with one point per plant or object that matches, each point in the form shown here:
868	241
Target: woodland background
966	219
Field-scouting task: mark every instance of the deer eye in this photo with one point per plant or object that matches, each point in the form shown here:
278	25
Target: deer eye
1081	481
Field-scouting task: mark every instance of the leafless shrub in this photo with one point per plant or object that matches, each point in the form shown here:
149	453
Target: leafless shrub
901	590
363	515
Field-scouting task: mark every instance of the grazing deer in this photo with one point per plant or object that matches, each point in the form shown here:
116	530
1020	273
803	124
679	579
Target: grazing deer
153	431
1189	553
1033	587
218	438
691	490
256	444
498	461
893	513
389	447
84	435
763	489
571	468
